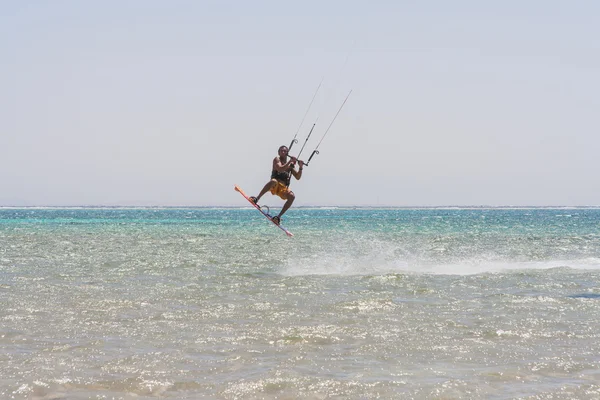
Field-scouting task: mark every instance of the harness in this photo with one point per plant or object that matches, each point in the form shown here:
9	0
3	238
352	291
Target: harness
283	177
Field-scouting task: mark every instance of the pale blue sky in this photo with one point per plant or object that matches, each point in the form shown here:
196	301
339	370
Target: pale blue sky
174	102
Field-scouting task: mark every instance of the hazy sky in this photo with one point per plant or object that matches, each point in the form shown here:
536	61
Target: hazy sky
174	102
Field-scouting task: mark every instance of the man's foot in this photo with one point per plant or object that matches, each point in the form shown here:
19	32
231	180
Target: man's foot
276	219
253	199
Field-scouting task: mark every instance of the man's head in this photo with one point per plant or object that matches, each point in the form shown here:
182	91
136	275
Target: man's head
283	150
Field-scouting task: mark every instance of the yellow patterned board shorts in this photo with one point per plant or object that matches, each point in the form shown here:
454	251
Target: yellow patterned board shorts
280	190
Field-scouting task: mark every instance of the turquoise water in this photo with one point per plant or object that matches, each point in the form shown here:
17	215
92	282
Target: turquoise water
360	303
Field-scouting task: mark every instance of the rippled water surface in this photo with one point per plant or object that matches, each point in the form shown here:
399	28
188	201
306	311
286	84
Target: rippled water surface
361	303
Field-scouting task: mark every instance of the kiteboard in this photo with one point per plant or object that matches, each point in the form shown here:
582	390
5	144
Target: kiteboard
269	217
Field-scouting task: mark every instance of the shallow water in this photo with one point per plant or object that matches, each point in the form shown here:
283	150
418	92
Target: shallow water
361	303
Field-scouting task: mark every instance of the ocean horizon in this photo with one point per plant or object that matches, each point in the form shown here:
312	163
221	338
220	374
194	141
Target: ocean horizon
315	206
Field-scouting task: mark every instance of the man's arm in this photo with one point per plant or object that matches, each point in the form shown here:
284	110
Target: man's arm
279	167
298	174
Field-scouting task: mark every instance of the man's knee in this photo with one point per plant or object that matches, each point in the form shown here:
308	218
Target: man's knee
291	196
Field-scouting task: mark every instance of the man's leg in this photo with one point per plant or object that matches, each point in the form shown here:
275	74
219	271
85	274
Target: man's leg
265	189
290	199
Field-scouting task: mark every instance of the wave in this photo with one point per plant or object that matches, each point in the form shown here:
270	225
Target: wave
347	266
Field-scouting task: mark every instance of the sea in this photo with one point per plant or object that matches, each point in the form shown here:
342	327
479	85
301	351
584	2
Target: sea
362	303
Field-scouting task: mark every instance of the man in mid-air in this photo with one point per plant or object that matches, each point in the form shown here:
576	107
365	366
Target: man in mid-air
280	180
